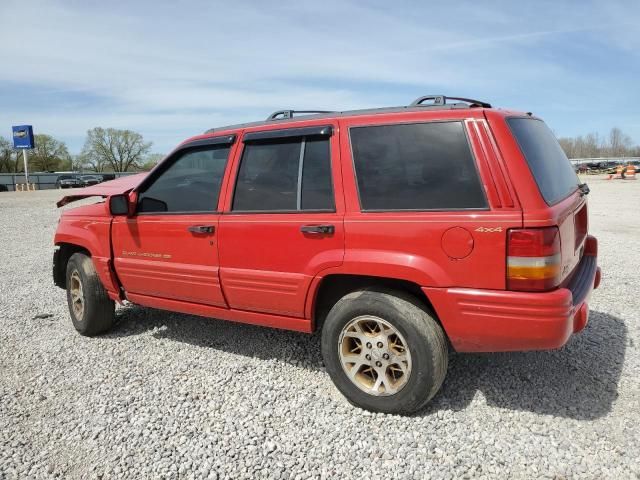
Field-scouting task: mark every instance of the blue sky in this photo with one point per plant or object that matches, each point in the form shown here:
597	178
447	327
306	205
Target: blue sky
171	70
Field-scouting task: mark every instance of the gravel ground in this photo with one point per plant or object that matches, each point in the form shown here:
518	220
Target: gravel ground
176	396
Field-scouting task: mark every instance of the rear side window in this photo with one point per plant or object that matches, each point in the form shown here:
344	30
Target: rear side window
421	166
285	175
552	170
191	183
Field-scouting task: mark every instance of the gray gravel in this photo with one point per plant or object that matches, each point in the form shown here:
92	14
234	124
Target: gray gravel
177	396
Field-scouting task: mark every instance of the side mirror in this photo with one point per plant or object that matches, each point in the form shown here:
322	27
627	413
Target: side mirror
119	204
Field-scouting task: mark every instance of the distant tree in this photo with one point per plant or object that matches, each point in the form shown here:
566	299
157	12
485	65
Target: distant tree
151	161
120	150
568	145
7	157
619	143
66	164
592	145
10	158
47	154
88	161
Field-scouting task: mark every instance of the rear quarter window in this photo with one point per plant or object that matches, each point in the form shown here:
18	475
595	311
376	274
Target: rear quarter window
547	161
418	166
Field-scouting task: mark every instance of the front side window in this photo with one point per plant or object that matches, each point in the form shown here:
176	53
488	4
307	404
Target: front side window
285	175
421	166
191	183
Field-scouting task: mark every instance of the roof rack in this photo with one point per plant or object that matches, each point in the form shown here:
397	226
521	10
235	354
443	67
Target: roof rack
286	114
436	102
442	100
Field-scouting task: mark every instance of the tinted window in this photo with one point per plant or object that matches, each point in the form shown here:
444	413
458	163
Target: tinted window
426	166
550	167
317	188
190	184
271	177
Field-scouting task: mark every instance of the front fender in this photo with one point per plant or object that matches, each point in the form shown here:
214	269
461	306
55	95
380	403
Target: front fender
93	235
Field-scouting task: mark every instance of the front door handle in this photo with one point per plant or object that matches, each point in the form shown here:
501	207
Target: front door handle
201	228
318	229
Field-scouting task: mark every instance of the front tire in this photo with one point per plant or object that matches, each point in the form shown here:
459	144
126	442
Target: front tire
92	311
384	351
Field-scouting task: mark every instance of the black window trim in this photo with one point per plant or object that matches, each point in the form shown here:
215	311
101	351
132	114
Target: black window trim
300	171
486	208
315	131
223	140
533	177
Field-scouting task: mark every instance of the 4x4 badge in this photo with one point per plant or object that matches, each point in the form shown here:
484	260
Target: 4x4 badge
488	230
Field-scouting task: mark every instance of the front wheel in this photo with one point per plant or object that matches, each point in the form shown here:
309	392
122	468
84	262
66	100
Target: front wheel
92	311
383	351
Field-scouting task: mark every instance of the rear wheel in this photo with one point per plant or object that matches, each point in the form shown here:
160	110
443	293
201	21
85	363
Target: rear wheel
383	351
91	309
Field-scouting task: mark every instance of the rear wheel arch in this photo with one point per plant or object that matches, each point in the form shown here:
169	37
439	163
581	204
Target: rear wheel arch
335	286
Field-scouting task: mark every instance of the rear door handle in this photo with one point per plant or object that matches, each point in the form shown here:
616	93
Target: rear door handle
318	229
201	228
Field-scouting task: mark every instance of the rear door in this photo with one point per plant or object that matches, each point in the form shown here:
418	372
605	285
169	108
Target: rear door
283	223
169	248
559	200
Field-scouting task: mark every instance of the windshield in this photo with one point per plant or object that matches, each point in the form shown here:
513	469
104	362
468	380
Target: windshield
550	166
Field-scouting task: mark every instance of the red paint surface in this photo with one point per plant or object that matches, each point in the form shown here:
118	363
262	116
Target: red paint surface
457	242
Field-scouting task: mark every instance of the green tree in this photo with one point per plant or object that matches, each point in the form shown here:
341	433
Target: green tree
10	159
48	154
118	150
151	161
7	157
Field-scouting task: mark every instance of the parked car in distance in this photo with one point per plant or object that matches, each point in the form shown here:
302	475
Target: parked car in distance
398	233
68	181
88	180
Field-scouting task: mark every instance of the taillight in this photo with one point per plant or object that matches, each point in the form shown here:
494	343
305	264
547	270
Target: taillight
533	259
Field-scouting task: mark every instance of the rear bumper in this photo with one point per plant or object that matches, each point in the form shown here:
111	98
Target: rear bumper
499	320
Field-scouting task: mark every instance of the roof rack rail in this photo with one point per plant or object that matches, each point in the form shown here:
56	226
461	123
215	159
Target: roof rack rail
442	100
286	114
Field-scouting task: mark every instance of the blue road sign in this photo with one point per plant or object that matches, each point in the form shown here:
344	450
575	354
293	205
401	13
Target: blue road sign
23	136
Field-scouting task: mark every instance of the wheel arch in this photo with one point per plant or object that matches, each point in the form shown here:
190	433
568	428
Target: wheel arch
61	257
329	289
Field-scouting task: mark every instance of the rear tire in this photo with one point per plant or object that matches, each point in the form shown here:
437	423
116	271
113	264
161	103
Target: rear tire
92	311
384	351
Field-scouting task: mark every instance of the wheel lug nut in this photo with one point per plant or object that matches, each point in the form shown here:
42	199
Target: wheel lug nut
367	356
368	344
385	356
378	363
380	345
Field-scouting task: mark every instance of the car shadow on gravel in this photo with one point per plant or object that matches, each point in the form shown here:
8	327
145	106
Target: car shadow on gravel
579	381
295	348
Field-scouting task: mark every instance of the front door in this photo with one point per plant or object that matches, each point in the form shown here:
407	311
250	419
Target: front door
169	248
283	223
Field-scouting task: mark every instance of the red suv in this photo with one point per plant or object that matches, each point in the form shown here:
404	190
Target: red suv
400	233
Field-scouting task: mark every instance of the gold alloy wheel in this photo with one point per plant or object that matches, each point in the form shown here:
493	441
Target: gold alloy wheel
77	296
374	355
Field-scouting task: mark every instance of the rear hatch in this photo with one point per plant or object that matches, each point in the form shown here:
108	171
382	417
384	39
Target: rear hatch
564	201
